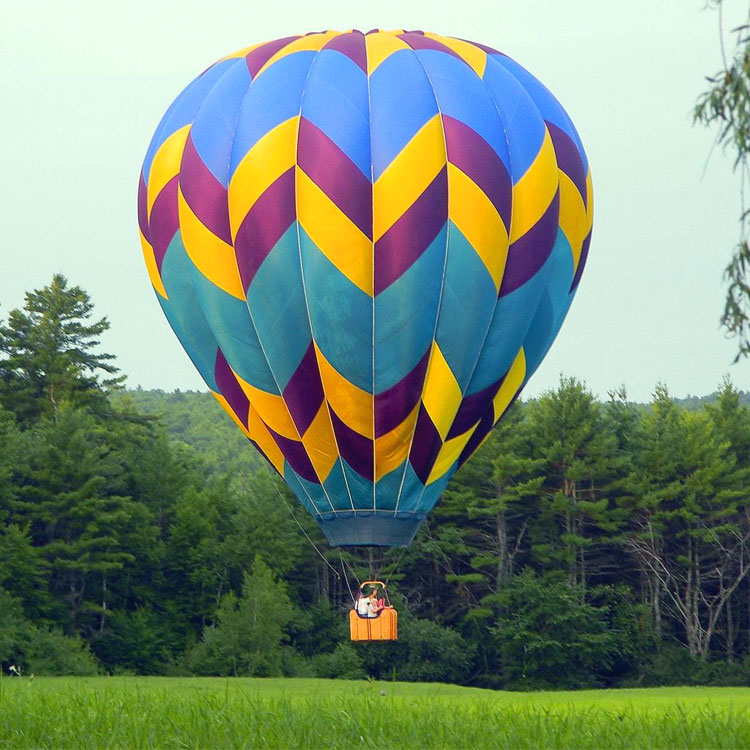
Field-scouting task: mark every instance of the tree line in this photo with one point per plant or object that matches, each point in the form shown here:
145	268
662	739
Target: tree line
586	544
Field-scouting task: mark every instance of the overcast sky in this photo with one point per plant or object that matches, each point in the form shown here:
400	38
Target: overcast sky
83	86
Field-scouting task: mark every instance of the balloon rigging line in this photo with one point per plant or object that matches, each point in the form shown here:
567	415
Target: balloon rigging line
302	529
346	578
395	565
351	570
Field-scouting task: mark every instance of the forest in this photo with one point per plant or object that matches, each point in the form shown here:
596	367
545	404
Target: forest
588	543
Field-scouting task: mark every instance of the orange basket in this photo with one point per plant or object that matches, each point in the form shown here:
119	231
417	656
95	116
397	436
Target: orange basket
382	627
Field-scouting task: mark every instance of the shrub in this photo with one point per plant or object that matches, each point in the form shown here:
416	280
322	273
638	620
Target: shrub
425	652
674	665
39	650
135	642
294	664
343	663
49	652
436	654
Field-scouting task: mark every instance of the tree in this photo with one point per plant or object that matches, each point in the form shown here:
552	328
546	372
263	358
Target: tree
689	530
568	431
726	105
78	521
547	637
13	627
49	353
496	493
20	564
11	451
732	421
136	641
250	630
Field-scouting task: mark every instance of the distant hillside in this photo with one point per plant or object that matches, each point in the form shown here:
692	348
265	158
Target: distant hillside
196	419
696	402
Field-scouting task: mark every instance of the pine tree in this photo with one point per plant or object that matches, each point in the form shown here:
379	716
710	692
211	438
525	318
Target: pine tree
48	354
689	530
81	526
569	433
250	631
498	508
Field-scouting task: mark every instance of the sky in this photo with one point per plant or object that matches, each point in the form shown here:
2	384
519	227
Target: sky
84	84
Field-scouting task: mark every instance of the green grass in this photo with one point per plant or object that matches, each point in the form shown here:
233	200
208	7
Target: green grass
142	712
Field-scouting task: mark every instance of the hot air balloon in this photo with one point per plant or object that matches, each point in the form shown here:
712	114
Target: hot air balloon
366	243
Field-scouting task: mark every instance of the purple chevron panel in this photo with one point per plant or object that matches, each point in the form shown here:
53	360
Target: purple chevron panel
335	174
303	394
353	46
230	388
164	221
483	429
568	158
296	455
205	195
472	408
271	215
355	449
393	406
143	208
425	446
412	233
478	160
258	57
529	252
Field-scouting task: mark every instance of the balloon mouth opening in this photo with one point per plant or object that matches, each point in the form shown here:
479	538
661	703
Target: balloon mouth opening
368	528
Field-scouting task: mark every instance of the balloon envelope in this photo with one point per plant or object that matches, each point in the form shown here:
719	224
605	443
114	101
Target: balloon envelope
366	243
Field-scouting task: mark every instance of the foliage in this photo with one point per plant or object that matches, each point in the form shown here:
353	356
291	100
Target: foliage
39	650
726	106
343	663
434	653
318	629
547	635
134	642
249	631
49	353
674	665
196	420
425	652
13	627
49	652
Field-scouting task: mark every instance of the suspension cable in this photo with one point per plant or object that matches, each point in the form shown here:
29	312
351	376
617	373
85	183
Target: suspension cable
312	543
351	570
346	578
395	565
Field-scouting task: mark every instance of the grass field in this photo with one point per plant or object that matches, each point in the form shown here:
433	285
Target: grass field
142	712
